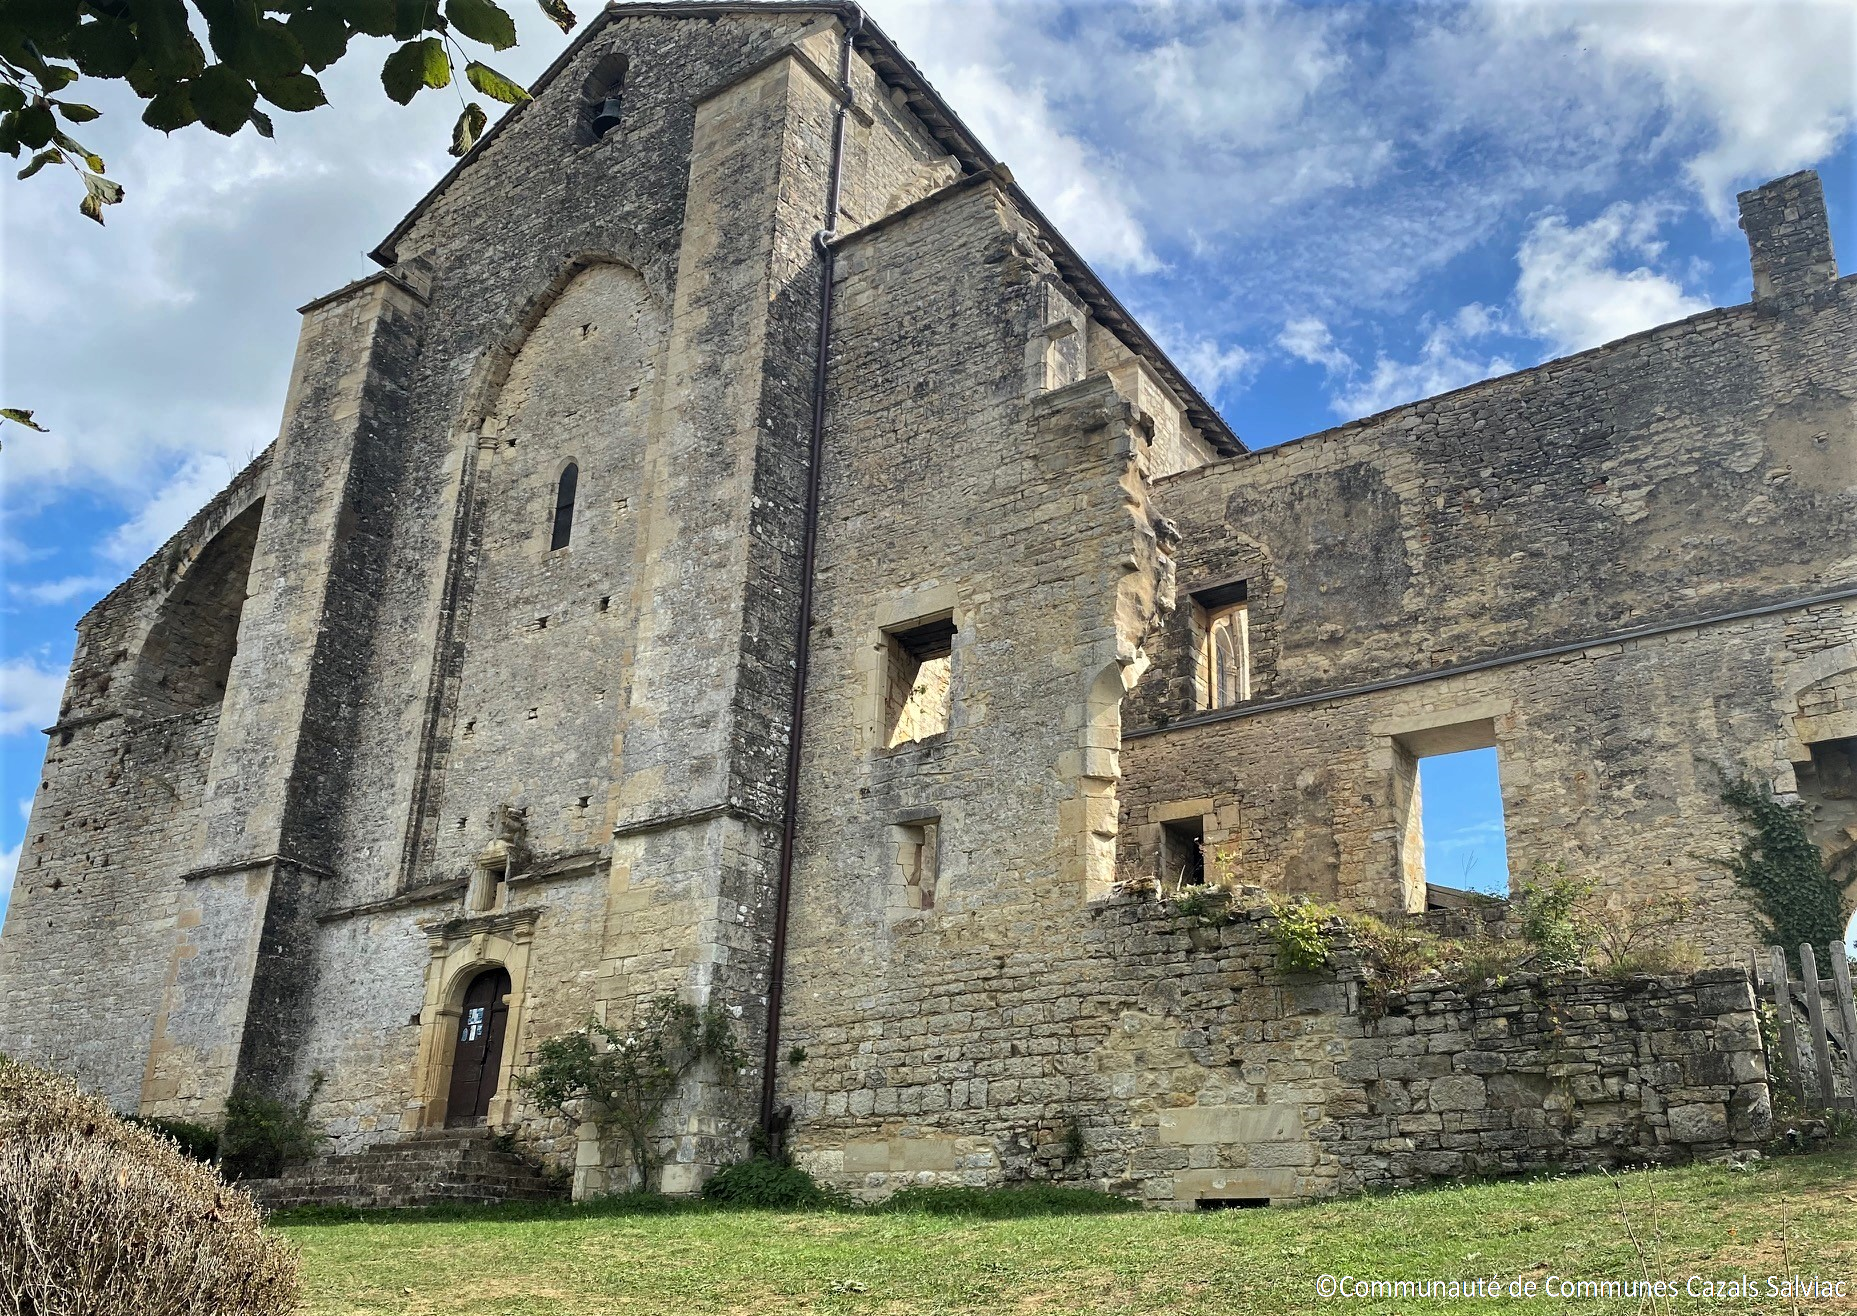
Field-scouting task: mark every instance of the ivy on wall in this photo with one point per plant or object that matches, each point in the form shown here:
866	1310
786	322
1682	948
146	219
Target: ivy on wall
1779	864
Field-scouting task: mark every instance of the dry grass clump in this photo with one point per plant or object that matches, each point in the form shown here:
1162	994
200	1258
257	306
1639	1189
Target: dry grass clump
99	1217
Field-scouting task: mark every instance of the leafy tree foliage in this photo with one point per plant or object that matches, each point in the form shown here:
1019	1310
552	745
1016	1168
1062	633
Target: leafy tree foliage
622	1080
256	56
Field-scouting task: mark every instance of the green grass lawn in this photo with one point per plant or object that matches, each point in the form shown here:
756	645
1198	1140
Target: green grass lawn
1797	1214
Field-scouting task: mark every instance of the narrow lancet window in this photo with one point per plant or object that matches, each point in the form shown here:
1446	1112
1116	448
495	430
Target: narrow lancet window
564	507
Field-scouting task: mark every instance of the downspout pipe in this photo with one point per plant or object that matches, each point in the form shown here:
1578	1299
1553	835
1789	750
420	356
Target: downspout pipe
771	1129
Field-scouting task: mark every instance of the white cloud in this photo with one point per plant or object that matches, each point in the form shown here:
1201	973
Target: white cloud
29	696
1443	363
1209	364
1570	293
9	867
1773	86
63	590
1073	184
1308	339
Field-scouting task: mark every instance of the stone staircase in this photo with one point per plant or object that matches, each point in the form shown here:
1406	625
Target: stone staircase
426	1169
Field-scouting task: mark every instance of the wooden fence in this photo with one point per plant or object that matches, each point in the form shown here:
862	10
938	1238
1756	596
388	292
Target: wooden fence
1816	1020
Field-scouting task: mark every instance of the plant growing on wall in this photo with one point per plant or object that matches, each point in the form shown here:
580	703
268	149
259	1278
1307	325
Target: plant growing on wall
1299	929
623	1080
1778	863
1551	909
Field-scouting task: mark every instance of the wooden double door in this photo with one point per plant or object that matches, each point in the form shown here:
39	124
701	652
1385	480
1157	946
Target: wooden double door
477	1057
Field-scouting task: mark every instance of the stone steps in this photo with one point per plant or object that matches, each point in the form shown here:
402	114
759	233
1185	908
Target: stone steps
452	1166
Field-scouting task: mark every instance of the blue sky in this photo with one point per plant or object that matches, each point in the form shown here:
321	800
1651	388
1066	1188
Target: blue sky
1460	809
1322	210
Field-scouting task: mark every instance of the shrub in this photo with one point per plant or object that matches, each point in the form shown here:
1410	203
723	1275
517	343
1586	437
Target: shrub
624	1080
1006	1203
1550	906
100	1217
1300	931
764	1183
200	1141
263	1135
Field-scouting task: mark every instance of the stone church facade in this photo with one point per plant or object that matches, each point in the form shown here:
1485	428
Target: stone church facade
467	711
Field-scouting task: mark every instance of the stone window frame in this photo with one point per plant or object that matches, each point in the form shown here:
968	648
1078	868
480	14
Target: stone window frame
915	847
1221	609
1402	743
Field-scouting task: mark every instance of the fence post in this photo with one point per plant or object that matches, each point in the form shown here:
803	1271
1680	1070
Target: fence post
1847	1010
1815	1013
1789	1039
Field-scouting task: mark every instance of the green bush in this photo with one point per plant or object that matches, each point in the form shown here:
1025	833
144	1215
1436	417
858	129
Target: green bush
200	1141
1550	906
765	1183
1299	928
262	1135
99	1216
1006	1203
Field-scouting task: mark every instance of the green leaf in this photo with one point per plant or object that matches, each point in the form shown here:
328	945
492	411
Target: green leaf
104	49
296	92
145	81
19	417
411	17
9	134
482	20
78	149
262	122
56	76
373	17
468	129
275	50
494	84
164	41
559	14
11	97
321	35
39	162
169	110
416	64
34	125
77	113
223	98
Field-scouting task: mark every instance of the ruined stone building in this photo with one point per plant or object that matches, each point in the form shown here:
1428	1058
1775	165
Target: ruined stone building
466	711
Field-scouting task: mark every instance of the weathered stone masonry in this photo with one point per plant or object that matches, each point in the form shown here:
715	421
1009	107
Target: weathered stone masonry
364	731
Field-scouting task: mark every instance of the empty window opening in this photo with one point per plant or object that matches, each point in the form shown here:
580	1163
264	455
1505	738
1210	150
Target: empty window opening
919	680
918	845
1454	836
606	602
1231	1203
1222	626
1183	853
564	507
1828	786
602	98
488	884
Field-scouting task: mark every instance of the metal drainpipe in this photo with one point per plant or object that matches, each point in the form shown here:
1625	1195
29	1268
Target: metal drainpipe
809	552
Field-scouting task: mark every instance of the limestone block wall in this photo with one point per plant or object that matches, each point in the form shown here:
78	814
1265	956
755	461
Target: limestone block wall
1561	562
1195	1069
88	953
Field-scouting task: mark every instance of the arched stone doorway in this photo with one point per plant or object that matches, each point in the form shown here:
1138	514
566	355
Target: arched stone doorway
477	1048
482	956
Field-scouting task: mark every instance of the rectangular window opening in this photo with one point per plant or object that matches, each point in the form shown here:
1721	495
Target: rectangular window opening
1455	838
1222	631
1231	1203
918	845
486	891
918	681
1183	853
